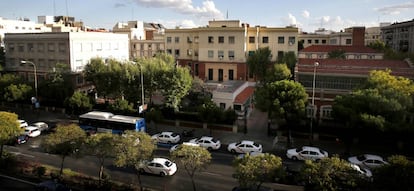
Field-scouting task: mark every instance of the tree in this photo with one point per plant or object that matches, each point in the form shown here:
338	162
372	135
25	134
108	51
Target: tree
122	107
192	158
259	62
252	171
79	102
177	86
9	128
132	149
18	92
339	54
285	99
397	175
278	72
2	58
6	80
58	87
330	174
383	102
65	141
289	58
209	112
102	146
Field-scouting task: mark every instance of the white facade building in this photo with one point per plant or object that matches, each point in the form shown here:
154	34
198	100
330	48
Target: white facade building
19	26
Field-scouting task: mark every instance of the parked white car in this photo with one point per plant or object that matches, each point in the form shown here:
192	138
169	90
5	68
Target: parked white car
306	153
367	160
166	137
41	125
363	171
22	123
31	131
175	147
159	166
244	147
207	142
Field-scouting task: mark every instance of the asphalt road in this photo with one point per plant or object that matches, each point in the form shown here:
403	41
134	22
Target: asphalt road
8	184
218	175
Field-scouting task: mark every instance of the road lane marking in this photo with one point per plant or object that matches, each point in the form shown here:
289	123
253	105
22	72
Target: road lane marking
22	154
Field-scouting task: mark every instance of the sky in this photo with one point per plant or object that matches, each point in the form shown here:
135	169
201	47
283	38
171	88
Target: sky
308	15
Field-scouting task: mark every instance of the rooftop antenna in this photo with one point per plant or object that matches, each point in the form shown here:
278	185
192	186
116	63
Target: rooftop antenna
227	14
67	12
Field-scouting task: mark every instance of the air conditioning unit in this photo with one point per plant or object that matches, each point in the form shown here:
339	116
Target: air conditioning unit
220	57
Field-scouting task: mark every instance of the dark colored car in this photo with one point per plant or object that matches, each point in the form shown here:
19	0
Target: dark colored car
18	140
51	185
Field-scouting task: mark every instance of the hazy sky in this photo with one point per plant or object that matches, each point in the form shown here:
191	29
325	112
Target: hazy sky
306	14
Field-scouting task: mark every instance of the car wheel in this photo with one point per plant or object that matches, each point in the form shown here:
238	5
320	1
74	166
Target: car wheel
209	148
141	170
162	174
294	158
233	151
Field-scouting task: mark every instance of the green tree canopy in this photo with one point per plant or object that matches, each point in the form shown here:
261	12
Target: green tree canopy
9	128
18	92
383	102
277	73
259	62
132	149
252	171
192	159
65	141
398	175
339	54
79	102
331	174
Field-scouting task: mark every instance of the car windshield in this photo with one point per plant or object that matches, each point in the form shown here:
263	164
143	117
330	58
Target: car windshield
256	145
174	134
322	151
298	150
214	140
168	163
361	157
238	143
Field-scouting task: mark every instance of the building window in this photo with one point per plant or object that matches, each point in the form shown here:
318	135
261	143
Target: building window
348	41
323	41
169	51
177	39
189	39
292	40
333	41
210	74
210	39
196	69
11	47
265	39
231	74
195	52
231	54
280	55
326	111
51	47
281	40
308	55
62	47
371	56
177	52
20	48
30	47
196	39
357	56
220	54
232	39
168	39
189	52
251	39
309	41
251	53
316	41
221	39
210	54
223	105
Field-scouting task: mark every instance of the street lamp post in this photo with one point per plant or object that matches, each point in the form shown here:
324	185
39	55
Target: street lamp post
142	88
35	74
316	64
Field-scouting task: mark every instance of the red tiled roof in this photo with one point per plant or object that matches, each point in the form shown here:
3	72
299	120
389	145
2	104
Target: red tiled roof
244	95
347	49
355	66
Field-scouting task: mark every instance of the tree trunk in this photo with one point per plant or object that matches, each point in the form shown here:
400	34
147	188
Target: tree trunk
101	169
139	180
192	181
1	151
61	166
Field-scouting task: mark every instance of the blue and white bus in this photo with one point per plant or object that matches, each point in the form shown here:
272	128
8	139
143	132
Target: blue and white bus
99	121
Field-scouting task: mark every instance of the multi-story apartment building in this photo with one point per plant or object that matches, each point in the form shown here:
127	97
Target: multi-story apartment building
219	51
331	77
354	36
19	26
145	39
74	49
399	36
